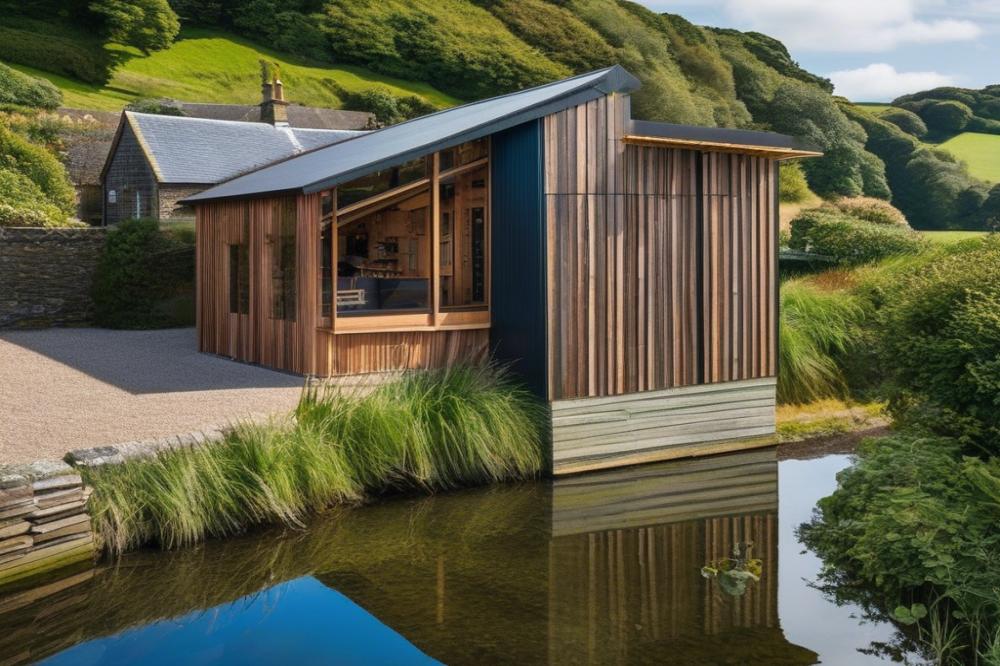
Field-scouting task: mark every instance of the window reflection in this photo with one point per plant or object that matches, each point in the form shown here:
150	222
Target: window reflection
381	181
383	258
463	239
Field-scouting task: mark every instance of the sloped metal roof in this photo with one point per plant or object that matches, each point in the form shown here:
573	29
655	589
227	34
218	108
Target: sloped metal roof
326	167
198	150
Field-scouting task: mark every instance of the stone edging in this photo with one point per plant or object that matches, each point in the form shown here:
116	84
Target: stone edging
115	454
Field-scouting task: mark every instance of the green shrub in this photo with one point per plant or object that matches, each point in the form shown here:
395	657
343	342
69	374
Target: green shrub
940	338
426	431
141	275
905	120
80	57
946	118
23	204
912	523
23	90
792	185
40	166
815	329
871	209
388	109
849	240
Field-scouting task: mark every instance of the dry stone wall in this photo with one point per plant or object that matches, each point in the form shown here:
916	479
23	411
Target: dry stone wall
46	275
44	523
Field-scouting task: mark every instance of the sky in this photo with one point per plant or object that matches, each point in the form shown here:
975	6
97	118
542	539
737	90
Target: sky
872	50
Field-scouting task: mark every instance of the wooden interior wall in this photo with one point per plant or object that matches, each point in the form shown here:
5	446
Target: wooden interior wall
660	261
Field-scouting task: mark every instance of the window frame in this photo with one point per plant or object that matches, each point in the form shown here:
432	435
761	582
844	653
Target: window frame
436	317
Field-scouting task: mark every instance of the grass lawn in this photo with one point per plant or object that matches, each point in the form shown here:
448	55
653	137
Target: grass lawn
980	151
214	66
949	237
873	107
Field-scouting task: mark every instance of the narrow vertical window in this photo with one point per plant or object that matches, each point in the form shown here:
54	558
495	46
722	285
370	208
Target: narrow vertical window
283	261
463	249
239	278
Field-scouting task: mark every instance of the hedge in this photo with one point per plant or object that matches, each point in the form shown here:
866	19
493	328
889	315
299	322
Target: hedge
23	90
849	240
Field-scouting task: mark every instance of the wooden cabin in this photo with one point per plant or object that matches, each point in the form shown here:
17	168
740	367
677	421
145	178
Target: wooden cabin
625	269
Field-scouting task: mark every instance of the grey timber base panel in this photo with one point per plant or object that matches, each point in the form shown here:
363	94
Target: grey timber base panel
596	433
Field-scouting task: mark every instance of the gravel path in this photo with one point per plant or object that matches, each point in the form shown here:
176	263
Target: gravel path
63	389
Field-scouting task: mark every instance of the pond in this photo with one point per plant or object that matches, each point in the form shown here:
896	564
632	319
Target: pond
600	568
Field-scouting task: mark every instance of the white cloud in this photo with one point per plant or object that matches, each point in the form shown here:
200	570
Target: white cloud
853	25
880	82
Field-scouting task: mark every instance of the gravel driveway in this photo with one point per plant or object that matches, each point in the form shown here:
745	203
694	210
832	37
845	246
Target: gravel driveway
63	389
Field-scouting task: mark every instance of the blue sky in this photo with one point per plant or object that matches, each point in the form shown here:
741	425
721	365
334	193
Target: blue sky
873	50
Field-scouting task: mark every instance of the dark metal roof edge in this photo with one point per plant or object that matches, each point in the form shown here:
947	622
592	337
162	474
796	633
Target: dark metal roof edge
616	79
529	114
717	135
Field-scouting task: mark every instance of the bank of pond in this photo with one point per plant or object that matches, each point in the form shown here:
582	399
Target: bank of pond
597	568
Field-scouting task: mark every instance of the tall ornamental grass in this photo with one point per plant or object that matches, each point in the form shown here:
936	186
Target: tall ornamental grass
815	329
425	430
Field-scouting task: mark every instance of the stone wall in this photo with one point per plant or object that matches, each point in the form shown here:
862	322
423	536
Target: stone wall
46	275
44	524
170	195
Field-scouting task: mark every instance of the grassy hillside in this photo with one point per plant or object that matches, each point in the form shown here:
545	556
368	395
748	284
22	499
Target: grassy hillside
215	66
873	107
980	151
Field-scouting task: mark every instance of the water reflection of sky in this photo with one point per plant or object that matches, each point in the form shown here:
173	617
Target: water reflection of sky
807	617
299	622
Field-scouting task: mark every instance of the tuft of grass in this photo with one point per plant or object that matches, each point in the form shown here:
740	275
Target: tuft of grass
816	326
425	430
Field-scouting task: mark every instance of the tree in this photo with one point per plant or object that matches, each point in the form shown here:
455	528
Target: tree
946	118
148	25
907	121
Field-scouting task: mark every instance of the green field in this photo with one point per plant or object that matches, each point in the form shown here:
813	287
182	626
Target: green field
215	66
980	151
872	107
949	237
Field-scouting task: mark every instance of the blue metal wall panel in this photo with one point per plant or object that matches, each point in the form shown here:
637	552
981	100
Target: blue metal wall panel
517	334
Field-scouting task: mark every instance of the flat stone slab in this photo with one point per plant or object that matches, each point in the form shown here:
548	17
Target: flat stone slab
116	454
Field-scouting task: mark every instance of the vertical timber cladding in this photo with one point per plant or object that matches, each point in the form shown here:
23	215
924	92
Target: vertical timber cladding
661	290
256	333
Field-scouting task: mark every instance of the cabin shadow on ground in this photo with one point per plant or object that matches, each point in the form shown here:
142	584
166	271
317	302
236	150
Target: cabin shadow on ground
140	362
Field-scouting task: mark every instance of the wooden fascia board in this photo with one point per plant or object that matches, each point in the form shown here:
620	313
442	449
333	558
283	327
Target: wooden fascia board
719	147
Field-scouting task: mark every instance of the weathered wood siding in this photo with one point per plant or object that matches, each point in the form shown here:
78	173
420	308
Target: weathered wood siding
257	336
666	492
298	345
593	433
660	260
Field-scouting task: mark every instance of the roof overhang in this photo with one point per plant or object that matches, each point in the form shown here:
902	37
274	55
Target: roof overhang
716	139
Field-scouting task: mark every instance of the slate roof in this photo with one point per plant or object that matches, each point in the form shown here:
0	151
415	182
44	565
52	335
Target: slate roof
324	168
298	116
200	151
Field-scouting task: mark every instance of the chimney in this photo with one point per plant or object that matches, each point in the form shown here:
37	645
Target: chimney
273	105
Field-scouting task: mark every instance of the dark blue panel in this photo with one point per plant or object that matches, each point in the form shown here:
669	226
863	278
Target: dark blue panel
517	335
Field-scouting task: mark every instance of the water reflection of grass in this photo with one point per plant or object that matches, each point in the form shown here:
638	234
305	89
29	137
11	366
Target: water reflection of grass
427	431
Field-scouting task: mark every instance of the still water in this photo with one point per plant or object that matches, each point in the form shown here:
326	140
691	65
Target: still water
597	569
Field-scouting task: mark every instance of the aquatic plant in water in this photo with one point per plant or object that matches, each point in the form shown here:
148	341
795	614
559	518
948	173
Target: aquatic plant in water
736	572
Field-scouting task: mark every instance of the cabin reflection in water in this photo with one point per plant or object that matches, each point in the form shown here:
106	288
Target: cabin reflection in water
596	569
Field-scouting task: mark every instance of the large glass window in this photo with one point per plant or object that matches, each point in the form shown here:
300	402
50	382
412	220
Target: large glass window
463	154
383	258
463	249
381	181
